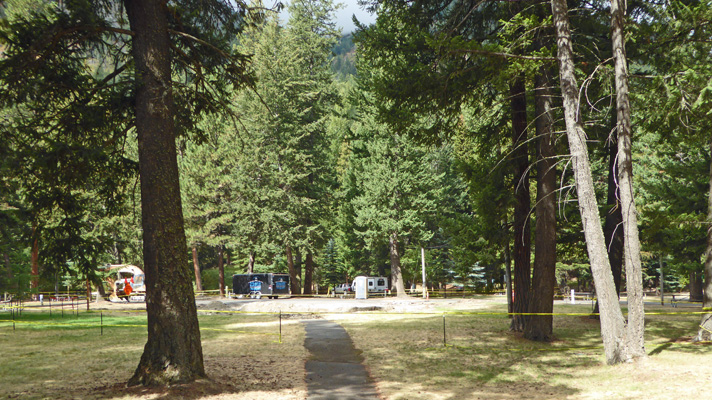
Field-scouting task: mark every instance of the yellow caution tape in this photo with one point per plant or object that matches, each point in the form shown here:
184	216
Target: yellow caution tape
488	313
705	328
109	325
236	331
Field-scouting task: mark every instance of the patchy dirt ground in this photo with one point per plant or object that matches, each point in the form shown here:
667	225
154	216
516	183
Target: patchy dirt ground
234	376
468	368
321	304
330	305
230	379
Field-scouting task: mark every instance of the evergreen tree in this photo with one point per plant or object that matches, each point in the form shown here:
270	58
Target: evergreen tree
434	59
399	189
286	119
163	65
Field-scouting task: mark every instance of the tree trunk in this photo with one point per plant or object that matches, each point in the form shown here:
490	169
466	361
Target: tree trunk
35	265
173	352
8	267
540	327
221	269
704	334
612	321
196	269
251	263
99	283
508	276
88	292
631	241
298	267
662	281
396	273
308	272
422	263
613	227
522	205
696	286
296	287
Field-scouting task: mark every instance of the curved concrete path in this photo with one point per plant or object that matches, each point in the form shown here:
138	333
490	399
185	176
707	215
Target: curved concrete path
334	370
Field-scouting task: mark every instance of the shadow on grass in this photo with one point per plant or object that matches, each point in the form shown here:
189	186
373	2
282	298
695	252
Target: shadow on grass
483	359
196	390
69	359
677	331
229	377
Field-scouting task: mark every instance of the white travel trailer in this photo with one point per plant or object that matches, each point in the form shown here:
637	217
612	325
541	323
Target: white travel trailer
374	284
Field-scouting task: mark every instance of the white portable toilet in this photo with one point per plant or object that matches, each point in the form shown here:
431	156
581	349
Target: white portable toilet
361	287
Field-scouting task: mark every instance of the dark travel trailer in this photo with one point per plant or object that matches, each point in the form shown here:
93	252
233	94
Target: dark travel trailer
258	285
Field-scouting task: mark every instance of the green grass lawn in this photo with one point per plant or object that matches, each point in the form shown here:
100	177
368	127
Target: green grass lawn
479	358
410	356
55	357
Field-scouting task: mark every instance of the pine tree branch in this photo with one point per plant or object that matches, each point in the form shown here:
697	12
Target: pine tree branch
505	55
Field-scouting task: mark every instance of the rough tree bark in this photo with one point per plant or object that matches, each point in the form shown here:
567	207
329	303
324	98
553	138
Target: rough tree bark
99	283
613	226
308	272
696	286
298	268
540	327
196	269
631	241
34	262
522	205
612	321
396	273
88	287
251	263
704	334
173	352
293	276
508	277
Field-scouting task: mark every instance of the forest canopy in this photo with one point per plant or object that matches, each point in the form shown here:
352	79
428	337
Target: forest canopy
440	135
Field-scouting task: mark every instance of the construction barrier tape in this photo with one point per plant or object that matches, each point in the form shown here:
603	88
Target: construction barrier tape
80	325
492	313
236	331
446	346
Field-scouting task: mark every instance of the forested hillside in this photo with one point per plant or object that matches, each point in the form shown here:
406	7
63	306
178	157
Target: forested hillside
344	63
562	145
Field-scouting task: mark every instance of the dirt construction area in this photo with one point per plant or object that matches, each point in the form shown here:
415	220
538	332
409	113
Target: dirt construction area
330	305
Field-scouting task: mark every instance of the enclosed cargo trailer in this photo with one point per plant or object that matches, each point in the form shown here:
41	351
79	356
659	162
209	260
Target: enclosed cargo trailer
261	284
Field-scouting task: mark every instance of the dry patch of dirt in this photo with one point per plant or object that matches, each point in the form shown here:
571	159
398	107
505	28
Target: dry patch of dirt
241	367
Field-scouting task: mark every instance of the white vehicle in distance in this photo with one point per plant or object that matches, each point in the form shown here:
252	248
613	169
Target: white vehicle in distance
343	289
376	284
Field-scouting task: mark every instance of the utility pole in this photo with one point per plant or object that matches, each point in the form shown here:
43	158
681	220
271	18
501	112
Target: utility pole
422	260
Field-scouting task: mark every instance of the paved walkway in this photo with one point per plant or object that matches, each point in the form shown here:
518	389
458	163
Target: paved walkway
334	370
